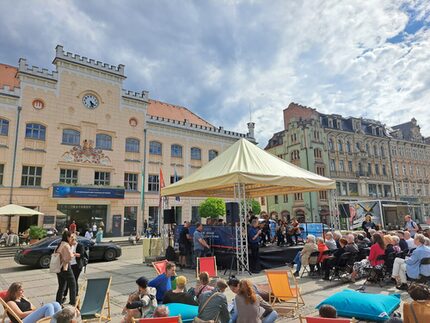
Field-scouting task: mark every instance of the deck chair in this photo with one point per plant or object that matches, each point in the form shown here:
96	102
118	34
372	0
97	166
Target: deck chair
160	266
207	264
309	319
282	294
96	300
169	319
7	309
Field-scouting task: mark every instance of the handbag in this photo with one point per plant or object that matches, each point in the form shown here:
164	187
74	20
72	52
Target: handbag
55	264
199	320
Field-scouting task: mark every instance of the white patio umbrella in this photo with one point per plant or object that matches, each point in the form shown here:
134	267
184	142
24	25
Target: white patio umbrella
13	209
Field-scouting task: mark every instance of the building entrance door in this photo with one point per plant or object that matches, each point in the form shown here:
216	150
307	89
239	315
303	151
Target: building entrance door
83	215
26	221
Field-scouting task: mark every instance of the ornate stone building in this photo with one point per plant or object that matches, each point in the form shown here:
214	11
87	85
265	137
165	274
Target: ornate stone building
367	160
72	145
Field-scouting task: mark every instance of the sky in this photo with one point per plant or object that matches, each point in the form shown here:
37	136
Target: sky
235	61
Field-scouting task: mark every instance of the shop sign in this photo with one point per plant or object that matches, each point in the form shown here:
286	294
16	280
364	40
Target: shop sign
87	192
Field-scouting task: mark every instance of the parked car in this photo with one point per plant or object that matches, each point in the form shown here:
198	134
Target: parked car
39	254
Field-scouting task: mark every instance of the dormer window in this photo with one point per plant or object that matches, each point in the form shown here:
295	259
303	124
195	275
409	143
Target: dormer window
330	123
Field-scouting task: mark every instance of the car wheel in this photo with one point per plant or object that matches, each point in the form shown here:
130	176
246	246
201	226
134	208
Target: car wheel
110	255
44	261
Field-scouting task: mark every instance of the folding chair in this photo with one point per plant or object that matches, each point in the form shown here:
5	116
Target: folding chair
313	260
96	300
207	264
160	266
7	309
309	319
282	292
424	279
169	319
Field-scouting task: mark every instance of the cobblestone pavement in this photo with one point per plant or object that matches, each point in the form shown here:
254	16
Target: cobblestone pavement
40	285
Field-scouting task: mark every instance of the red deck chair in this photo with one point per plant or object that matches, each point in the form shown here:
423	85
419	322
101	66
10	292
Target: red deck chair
169	319
207	264
309	319
160	266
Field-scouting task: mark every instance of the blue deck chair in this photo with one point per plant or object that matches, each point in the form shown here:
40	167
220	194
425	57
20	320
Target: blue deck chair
96	300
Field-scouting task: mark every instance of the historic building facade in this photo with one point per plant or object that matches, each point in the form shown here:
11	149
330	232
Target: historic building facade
72	146
362	155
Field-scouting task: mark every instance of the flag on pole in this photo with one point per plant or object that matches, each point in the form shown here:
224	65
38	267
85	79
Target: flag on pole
176	178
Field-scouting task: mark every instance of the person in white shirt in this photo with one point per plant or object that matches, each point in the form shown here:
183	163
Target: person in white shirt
88	234
409	240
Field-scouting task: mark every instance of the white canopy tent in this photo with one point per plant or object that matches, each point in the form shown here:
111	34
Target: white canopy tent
13	209
245	171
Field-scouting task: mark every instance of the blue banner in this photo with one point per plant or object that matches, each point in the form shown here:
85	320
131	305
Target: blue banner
87	192
217	236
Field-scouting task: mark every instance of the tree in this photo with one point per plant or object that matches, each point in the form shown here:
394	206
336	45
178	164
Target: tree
255	206
212	208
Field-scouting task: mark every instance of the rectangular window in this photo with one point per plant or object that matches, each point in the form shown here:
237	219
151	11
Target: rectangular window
369	169
153	183
276	199
285	198
195	216
353	189
323	195
387	190
68	176
1	173
178	214
130	181
321	171
376	169
404	169
350	166
411	170
31	176
341	165
396	169
406	188
399	188
174	180
372	190
298	196
4	127
35	131
332	165
153	218
102	178
262	201
384	170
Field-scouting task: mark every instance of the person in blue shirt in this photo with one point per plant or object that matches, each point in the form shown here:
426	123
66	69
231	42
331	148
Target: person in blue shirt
163	282
254	237
412	265
200	244
410	225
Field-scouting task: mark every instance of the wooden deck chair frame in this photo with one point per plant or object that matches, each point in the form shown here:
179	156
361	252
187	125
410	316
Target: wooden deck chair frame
156	319
198	266
7	309
293	302
106	305
155	263
304	319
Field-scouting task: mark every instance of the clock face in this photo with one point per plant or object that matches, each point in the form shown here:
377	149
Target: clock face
90	101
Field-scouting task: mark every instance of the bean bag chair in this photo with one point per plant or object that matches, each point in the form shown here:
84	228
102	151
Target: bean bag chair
187	312
374	307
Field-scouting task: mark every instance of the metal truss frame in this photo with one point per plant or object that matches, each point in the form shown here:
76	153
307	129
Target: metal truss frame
242	258
334	210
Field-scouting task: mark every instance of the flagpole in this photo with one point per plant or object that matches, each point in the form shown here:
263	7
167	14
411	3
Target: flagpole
142	190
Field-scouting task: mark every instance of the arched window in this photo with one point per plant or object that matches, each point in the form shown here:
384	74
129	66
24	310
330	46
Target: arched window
357	147
212	154
103	141
176	151
382	151
4	127
71	137
35	131
132	145
330	144
295	155
348	147
155	148
340	146
196	153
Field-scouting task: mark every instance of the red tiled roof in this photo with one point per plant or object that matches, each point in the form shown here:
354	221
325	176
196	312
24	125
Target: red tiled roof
175	112
8	76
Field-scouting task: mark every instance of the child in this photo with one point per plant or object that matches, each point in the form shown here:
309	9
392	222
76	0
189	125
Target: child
131	313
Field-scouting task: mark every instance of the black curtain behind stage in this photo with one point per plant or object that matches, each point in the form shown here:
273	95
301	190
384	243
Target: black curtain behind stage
270	257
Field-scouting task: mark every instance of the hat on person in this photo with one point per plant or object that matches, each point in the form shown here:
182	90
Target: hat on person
142	282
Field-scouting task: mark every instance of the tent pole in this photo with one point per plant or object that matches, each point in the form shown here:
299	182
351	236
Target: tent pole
242	229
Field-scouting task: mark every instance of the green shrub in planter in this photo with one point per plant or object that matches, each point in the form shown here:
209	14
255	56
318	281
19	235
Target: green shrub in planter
37	232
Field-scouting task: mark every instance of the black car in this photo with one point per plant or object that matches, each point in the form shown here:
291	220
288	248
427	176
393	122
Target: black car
39	254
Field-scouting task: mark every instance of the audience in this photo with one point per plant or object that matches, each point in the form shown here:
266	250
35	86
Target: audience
163	282
213	304
142	302
409	240
321	248
411	265
351	246
337	236
69	314
334	260
24	309
396	246
420	306
376	250
361	243
202	285
402	243
179	295
328	311
302	257
329	241
161	311
247	306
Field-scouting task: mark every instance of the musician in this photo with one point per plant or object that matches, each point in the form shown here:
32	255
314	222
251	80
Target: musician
254	236
295	230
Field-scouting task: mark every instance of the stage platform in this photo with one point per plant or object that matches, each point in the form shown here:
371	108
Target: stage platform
270	257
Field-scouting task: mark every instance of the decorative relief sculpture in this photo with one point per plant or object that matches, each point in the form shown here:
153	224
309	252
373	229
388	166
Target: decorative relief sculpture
86	154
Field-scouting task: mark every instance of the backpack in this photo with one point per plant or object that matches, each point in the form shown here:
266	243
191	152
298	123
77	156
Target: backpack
55	264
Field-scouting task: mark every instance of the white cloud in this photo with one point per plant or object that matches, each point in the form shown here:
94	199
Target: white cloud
222	59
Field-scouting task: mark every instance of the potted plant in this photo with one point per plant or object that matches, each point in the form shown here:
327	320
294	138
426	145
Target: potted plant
36	233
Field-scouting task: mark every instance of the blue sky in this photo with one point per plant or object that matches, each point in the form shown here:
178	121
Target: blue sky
223	59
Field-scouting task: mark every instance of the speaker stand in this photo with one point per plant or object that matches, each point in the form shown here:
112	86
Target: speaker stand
241	265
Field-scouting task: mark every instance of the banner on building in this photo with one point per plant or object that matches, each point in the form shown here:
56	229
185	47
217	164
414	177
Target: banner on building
87	192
